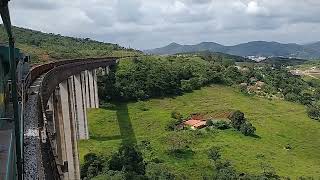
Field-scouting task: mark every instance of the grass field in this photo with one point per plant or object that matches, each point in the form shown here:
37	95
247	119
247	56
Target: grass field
278	123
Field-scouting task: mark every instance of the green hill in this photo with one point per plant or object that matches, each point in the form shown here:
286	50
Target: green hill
43	47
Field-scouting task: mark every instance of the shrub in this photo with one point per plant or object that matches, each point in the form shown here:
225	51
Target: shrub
176	115
214	153
209	122
172	124
221	125
247	129
158	171
178	144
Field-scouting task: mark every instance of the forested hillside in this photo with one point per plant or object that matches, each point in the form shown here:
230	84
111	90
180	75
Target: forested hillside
43	47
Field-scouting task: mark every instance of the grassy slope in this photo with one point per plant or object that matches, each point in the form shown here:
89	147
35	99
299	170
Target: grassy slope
43	47
278	123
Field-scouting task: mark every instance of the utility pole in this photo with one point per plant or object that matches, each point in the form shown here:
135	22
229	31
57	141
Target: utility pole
5	15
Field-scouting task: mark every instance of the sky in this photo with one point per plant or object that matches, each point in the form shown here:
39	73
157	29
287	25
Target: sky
146	24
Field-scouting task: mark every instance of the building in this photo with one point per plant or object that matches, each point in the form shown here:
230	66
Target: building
195	124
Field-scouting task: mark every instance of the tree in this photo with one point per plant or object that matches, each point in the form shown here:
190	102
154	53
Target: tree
92	166
237	119
247	129
128	159
224	171
214	153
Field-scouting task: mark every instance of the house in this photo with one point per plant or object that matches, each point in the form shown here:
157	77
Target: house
195	124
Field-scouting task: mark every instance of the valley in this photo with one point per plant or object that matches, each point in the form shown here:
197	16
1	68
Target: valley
278	124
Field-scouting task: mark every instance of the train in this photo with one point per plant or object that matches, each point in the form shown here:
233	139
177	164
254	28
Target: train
5	82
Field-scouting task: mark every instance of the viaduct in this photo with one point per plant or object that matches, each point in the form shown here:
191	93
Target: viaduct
57	97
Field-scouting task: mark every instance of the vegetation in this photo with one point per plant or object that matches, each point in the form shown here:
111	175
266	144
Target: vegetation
148	77
43	47
214	153
222	125
143	78
238	121
126	164
278	124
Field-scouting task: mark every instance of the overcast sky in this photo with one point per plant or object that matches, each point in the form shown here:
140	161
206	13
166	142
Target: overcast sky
145	24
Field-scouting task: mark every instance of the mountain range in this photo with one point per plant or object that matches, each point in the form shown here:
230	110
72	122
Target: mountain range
253	48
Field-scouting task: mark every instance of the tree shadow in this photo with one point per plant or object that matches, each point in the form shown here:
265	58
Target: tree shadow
125	125
255	136
127	134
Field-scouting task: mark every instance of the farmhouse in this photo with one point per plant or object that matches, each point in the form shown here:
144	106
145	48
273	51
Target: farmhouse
195	124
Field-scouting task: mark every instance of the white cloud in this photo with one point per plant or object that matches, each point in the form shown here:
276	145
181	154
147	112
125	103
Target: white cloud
152	23
254	9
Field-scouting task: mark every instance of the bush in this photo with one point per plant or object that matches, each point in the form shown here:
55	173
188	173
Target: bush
214	153
247	129
172	124
209	122
221	125
176	115
178	144
158	172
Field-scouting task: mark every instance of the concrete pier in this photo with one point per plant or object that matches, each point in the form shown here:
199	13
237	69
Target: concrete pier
68	114
69	104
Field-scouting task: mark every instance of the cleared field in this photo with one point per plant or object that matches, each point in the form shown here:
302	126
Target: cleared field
278	123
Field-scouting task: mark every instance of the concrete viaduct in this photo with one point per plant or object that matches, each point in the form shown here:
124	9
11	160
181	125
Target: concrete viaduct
55	106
